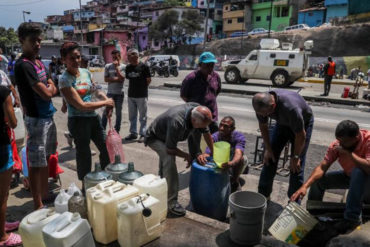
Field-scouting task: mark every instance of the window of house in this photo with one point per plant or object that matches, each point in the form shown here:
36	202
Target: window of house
144	37
310	13
267	18
258	18
202	3
226	8
284	11
156	43
240	19
229	21
277	11
219	12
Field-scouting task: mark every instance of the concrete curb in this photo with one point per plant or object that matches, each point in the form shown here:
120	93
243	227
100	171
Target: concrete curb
340	101
335	82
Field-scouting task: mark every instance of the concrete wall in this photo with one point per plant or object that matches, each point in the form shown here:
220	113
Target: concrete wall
312	18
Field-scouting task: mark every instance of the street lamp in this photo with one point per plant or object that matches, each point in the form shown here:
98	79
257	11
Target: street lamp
270	18
25	12
82	35
206	26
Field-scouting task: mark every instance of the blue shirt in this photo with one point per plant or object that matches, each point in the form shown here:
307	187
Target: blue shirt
83	86
11	66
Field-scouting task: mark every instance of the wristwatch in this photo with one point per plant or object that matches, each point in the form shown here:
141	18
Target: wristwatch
296	156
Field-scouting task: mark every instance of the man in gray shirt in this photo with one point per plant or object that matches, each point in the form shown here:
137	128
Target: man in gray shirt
114	75
294	123
175	125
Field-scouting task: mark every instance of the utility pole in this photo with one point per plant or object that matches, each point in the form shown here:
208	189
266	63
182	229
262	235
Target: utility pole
244	28
25	12
270	19
206	27
82	35
137	27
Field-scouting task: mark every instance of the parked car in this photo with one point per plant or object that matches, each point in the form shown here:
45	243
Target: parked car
282	67
296	27
258	31
238	34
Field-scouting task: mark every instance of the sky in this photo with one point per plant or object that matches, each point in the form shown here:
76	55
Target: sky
11	10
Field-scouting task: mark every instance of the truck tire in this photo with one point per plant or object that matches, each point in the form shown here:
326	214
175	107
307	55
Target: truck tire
232	75
280	78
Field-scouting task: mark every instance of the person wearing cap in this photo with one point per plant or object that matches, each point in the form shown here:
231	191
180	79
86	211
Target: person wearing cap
203	86
329	72
139	78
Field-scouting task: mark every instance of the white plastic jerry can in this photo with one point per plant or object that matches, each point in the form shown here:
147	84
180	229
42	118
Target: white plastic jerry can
68	230
103	210
156	187
91	192
31	226
61	202
137	225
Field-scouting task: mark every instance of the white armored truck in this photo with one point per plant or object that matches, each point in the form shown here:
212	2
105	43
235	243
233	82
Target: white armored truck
282	65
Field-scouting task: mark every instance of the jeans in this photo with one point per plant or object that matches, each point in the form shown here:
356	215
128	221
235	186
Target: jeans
279	136
327	83
84	129
137	105
167	169
118	102
356	184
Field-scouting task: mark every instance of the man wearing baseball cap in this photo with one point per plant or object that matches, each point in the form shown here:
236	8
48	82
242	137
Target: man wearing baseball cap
203	86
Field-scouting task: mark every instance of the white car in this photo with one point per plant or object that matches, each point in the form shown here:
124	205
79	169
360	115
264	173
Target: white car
259	31
296	27
282	67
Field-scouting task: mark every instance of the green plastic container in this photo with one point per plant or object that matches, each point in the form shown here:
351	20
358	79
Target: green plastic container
221	153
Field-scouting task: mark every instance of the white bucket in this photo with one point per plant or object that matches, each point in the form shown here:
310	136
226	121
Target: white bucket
293	224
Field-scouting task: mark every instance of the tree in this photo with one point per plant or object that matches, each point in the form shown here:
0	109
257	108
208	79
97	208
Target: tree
7	38
163	28
191	23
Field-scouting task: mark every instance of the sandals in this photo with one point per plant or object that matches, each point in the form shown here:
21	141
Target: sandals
11	226
177	210
13	240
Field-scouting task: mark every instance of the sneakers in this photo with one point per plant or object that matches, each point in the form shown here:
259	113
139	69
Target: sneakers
69	138
141	139
131	137
345	226
176	210
93	152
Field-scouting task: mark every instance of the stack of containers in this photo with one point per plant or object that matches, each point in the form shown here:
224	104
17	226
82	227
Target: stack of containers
102	206
156	187
31	227
67	230
139	221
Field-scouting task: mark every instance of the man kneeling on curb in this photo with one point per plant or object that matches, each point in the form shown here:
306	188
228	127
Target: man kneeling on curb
226	132
352	150
177	124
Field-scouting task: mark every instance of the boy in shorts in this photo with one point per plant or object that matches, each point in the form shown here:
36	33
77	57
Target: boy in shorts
36	91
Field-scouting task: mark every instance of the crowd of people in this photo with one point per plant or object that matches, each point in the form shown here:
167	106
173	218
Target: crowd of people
197	117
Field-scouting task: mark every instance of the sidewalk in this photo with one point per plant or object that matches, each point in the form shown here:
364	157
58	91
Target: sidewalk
346	82
195	230
308	94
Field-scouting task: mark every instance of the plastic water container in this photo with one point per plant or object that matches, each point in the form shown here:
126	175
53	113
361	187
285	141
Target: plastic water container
269	44
24	162
20	130
209	190
293	224
221	153
91	192
72	189
68	230
247	213
31	226
346	91
61	202
136	226
103	207
156	187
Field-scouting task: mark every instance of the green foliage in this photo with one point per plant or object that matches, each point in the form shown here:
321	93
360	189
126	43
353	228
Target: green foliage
168	25
7	37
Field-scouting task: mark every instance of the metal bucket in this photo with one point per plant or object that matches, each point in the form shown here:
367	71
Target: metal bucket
247	213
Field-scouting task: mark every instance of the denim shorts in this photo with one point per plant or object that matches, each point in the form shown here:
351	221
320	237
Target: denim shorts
41	140
10	161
